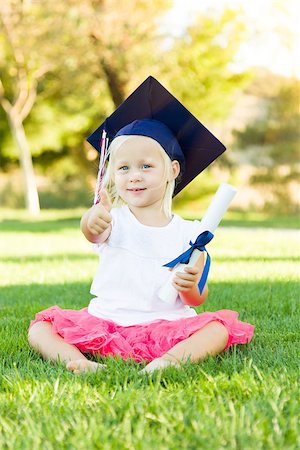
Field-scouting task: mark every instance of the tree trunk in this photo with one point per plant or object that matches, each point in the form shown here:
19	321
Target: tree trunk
116	87
31	192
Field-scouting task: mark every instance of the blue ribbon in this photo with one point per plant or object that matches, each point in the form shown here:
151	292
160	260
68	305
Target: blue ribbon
203	239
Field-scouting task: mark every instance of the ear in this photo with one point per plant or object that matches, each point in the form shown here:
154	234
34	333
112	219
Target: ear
175	169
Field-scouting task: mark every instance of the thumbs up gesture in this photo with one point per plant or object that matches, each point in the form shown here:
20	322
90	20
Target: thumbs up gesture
98	218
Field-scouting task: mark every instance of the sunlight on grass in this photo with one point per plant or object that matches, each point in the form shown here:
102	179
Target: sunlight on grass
246	398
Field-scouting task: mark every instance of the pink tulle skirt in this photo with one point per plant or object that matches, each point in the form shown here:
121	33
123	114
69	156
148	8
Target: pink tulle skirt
140	342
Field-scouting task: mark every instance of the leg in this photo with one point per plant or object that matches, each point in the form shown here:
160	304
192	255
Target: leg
53	347
210	340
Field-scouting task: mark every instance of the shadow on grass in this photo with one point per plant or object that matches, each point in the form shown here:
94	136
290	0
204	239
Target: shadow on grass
57	224
51	258
261	297
276	222
92	256
40	226
255	258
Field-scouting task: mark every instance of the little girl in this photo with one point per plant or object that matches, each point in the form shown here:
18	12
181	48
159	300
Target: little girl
135	237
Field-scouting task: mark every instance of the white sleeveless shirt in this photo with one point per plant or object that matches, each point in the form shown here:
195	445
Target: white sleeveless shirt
131	270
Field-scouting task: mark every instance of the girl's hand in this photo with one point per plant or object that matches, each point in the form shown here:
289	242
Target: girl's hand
99	218
187	280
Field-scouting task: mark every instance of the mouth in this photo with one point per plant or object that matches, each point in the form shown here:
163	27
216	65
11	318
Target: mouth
136	189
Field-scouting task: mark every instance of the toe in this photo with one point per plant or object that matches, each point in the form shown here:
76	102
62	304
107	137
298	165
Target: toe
158	364
71	365
76	365
81	366
96	366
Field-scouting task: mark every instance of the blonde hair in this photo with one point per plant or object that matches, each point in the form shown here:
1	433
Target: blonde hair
168	179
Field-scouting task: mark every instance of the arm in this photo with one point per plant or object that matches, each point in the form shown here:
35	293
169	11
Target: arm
186	283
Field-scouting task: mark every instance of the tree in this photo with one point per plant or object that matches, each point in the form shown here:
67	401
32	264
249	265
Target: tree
125	46
200	65
200	69
30	34
51	49
99	52
18	100
272	140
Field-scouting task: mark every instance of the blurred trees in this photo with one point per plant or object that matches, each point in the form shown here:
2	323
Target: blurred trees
272	141
18	86
36	43
62	58
66	65
124	41
205	79
201	66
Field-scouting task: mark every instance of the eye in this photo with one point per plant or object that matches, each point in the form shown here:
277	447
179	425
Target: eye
146	166
123	168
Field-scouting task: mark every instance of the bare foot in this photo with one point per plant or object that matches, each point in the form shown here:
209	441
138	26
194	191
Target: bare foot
158	364
84	365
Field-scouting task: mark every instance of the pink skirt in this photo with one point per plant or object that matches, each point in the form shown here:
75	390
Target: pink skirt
140	342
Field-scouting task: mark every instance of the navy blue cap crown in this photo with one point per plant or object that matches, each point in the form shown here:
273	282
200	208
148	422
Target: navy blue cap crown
160	133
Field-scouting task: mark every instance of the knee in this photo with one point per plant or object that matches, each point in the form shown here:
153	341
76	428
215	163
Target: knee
37	331
220	331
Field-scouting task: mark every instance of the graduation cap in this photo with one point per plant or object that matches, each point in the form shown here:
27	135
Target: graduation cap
153	111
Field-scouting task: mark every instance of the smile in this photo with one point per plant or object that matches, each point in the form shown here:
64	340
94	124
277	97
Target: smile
136	189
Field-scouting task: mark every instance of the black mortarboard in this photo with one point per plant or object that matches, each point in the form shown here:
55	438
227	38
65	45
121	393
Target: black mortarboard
152	101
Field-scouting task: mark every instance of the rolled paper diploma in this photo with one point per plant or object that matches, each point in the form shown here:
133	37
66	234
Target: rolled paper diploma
209	222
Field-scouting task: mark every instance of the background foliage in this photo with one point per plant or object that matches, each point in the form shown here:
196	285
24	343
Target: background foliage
65	66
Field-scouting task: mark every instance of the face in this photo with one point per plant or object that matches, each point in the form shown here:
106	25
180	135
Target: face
139	173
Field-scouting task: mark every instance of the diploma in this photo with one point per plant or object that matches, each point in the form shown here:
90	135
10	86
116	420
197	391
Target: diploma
209	222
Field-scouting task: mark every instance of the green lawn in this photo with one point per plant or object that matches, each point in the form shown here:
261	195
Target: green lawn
246	398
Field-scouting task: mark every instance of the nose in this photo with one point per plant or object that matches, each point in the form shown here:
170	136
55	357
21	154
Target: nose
135	175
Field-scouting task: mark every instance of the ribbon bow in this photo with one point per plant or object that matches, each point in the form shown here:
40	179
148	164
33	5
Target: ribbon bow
204	238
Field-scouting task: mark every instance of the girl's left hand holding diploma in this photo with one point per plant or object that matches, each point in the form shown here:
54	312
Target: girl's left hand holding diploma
186	283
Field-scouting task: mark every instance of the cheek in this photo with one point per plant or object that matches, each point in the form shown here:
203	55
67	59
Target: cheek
160	179
118	180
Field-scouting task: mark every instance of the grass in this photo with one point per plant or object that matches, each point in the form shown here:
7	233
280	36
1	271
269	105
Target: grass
246	398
